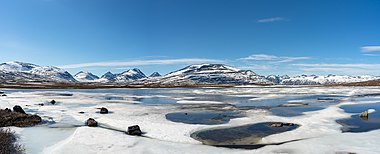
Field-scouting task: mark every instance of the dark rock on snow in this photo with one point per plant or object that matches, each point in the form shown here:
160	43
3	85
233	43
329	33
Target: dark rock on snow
18	109
103	110
53	102
134	130
91	123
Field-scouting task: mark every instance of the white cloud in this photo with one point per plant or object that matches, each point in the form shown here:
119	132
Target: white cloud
291	59
142	63
370	48
340	65
350	69
259	57
372	55
265	57
268	20
257	67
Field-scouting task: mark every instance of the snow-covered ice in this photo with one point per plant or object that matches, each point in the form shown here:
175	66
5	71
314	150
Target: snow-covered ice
319	132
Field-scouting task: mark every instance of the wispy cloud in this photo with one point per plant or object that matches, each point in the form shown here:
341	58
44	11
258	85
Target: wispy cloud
351	69
142	63
367	49
275	59
340	65
372	55
268	20
259	57
257	67
291	59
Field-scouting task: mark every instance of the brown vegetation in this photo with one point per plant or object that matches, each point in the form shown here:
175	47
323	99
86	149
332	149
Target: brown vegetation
8	143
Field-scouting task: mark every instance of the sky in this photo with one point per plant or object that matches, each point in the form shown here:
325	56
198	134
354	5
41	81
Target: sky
267	36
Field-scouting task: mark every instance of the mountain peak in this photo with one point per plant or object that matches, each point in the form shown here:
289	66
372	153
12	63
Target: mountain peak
85	76
50	73
155	74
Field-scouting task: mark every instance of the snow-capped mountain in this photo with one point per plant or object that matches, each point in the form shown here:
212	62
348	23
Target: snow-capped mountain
207	74
127	76
193	75
20	71
85	77
319	80
155	74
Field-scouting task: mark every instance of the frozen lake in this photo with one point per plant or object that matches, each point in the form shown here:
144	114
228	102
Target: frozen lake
326	120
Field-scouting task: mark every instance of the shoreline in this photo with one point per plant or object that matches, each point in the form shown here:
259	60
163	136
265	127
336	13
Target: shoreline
109	86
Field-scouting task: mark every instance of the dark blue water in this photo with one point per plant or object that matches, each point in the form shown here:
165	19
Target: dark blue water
240	135
358	124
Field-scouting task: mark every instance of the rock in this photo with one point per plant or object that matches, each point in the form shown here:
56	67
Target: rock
134	130
53	102
288	124
2	92
280	124
8	110
18	109
17	119
91	123
275	125
41	104
3	95
364	114
103	110
81	112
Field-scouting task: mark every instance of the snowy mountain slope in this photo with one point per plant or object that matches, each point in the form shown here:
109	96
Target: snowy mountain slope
85	77
318	80
191	75
207	74
32	72
127	76
155	74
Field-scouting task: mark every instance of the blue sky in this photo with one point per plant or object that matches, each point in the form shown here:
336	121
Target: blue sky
267	36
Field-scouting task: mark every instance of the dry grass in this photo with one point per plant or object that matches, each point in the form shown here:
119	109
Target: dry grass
8	143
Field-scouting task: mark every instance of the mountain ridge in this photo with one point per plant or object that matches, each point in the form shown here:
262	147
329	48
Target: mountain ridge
198	74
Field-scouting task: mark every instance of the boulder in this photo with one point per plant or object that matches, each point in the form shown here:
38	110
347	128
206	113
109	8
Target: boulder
53	102
364	114
18	109
134	130
3	95
103	110
91	122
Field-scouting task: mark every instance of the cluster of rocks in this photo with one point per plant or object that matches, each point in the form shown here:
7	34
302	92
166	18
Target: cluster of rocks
17	118
52	102
2	93
280	124
132	130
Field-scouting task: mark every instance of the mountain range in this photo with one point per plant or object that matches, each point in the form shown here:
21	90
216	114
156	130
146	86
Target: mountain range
201	74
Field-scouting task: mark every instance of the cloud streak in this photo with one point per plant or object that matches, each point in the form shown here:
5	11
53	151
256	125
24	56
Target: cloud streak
269	20
264	57
367	49
142	63
259	57
351	69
